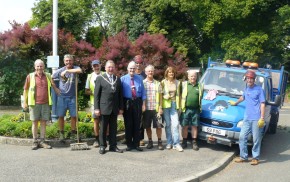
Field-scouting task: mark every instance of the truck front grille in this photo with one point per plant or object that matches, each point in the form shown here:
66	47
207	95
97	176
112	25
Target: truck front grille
216	123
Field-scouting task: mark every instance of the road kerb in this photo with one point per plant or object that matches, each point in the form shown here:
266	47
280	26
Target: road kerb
220	165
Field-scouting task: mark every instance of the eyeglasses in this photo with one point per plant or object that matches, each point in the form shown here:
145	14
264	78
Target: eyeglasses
132	68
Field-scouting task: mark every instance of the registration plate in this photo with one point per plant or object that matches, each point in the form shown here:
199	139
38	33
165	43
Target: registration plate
214	131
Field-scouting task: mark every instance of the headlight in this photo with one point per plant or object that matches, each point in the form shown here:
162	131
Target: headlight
240	124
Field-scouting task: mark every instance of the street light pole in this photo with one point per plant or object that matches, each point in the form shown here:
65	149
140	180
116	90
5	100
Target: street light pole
54	116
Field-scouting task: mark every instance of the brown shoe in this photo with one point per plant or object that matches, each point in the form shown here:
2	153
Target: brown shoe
254	162
240	160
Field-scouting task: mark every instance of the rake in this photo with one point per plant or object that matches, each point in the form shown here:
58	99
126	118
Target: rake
78	145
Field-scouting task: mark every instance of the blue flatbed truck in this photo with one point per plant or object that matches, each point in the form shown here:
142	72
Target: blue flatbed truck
219	121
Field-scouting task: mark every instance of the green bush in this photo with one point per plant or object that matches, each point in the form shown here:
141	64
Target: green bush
82	99
120	125
14	126
84	116
7	128
86	130
52	131
23	129
6	117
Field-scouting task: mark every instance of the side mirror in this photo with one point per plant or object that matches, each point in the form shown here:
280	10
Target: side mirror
277	101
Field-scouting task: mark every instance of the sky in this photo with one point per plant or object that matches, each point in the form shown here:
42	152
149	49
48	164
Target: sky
18	10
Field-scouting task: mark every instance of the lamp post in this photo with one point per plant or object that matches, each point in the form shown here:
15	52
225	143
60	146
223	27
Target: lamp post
54	58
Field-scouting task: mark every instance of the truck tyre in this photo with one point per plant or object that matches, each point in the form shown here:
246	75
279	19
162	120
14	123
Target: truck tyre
273	123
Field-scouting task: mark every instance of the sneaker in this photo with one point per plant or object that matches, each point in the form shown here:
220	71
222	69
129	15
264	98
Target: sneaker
96	144
44	145
254	162
239	160
34	145
194	146
184	144
150	144
178	148
160	146
168	146
142	143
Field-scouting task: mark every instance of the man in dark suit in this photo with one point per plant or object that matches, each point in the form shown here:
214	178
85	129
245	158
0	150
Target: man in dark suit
108	104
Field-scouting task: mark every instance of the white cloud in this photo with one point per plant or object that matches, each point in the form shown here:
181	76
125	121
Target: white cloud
18	10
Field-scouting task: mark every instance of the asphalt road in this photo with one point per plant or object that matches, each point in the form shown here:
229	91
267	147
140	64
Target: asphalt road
275	158
20	163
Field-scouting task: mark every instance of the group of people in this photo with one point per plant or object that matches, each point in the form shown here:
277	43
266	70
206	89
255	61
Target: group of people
137	96
141	100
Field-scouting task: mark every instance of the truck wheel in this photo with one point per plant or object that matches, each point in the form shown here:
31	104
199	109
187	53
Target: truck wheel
273	123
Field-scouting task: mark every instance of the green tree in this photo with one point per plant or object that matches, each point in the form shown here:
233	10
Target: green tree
95	36
74	16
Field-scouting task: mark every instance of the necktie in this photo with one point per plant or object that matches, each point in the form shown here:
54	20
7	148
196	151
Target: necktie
133	89
110	78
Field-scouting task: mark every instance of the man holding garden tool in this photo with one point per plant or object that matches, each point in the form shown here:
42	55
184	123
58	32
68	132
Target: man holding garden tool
37	96
67	98
108	104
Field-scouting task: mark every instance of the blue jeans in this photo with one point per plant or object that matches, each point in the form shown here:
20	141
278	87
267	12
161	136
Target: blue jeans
250	126
172	124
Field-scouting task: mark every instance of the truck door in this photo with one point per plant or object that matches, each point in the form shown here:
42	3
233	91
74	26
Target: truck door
279	79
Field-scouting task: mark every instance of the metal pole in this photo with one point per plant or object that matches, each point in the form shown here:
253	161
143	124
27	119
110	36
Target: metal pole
54	116
54	33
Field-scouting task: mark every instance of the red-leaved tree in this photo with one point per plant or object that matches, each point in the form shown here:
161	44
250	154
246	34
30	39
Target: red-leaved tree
119	49
156	50
21	46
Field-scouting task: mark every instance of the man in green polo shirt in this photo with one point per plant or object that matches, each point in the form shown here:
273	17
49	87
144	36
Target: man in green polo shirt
190	105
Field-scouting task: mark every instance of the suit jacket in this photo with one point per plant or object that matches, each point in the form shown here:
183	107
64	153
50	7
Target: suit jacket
105	99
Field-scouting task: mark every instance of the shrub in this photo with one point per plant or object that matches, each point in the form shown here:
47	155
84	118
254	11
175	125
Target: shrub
6	117
120	125
83	99
52	131
23	129
9	126
86	130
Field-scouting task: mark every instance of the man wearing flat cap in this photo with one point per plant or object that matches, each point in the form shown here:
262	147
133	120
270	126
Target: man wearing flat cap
90	87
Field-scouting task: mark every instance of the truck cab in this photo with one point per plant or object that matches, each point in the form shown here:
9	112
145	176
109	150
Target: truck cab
219	121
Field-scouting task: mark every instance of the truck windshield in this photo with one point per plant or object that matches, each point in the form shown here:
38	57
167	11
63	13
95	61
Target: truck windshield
227	82
224	81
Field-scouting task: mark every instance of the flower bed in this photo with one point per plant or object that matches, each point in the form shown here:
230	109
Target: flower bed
20	126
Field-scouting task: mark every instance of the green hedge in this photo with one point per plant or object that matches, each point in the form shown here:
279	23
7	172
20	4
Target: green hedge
16	126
